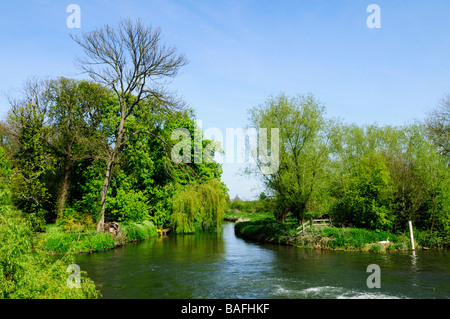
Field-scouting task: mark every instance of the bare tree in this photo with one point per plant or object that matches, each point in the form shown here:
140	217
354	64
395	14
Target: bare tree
132	61
438	125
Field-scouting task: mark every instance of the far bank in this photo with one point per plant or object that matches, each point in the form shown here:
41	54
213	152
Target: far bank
262	227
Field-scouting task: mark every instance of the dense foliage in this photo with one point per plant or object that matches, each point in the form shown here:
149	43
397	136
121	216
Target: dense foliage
75	154
53	153
368	176
58	154
26	272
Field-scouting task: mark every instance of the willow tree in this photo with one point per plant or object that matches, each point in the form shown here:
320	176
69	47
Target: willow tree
201	204
135	65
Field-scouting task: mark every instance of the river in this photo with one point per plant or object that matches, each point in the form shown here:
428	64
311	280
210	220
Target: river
219	265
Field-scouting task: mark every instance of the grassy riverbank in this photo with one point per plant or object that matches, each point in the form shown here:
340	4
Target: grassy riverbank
26	271
262	227
56	240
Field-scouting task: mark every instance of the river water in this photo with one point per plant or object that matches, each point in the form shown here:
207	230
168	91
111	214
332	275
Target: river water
219	265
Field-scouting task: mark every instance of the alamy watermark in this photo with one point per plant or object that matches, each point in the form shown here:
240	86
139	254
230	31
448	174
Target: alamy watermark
374	20
74	19
374	280
241	146
74	280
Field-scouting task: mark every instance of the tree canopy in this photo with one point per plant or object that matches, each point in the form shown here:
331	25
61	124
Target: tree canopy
370	176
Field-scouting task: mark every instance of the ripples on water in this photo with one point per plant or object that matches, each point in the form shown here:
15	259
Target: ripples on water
222	266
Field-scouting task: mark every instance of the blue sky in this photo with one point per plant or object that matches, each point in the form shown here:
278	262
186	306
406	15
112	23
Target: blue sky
242	51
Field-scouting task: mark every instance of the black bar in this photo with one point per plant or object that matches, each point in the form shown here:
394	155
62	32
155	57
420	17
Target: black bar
225	308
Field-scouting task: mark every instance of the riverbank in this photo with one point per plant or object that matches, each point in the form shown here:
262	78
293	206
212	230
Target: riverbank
56	240
26	272
264	228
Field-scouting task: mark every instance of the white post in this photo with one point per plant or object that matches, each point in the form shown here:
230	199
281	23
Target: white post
411	233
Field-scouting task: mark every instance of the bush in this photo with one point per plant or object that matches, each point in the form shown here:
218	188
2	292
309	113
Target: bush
430	239
59	241
267	230
360	238
26	272
134	231
128	205
365	201
72	220
5	175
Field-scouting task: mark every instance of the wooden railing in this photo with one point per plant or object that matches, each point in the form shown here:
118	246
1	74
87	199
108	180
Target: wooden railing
314	222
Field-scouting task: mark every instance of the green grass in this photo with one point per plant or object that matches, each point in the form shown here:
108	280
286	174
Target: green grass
266	229
235	214
134	231
27	272
56	240
430	239
353	239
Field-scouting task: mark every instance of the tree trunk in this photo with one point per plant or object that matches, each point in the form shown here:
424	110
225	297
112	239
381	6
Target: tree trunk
104	192
282	218
64	191
66	179
301	212
108	173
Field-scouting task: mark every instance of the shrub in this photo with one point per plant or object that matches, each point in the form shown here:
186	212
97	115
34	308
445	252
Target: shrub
430	239
375	248
5	175
74	221
58	241
134	231
26	272
365	201
128	205
267	230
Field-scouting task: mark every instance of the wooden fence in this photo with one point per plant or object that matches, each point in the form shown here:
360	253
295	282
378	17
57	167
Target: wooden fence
314	222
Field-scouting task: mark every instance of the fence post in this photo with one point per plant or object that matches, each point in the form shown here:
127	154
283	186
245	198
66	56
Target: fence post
412	235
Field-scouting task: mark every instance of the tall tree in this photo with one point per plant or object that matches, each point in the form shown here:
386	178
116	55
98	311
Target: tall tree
365	199
303	150
134	64
31	160
75	118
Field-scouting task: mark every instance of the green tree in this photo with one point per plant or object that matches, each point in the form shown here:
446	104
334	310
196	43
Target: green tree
31	160
303	151
147	179
75	111
365	201
133	63
432	174
5	176
200	203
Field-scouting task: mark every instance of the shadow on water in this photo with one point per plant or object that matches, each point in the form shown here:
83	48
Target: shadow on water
221	265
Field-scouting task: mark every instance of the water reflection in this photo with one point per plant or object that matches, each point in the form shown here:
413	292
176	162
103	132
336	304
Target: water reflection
220	265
